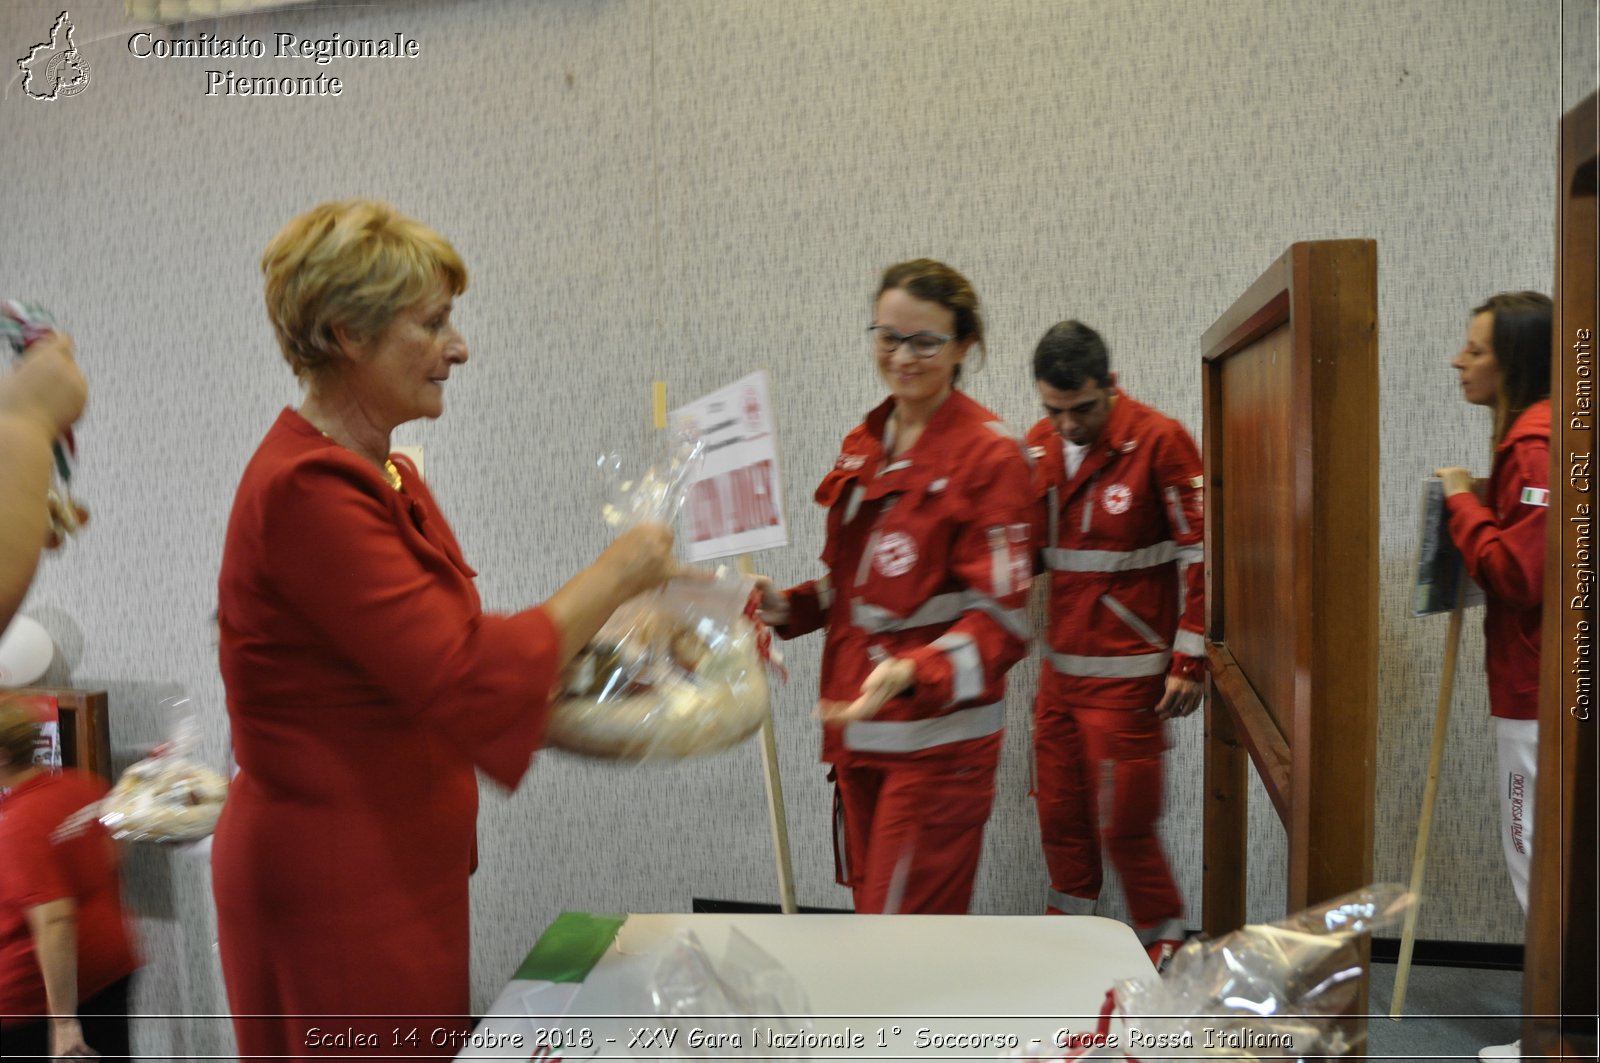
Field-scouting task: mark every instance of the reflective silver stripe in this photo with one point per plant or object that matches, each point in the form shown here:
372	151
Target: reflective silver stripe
1133	667
866	557
892	736
1112	560
824	588
1067	904
1175	505
1127	616
903	463
1191	554
853	506
940	609
966	665
877	654
1190	643
1088	501
1166	930
999	562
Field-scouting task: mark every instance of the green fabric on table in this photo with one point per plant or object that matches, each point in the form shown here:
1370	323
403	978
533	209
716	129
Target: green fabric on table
568	950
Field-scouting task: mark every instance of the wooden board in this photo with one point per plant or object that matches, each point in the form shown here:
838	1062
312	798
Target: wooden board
1559	980
1291	455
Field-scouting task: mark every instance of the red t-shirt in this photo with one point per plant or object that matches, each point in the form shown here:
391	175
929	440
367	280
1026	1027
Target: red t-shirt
40	861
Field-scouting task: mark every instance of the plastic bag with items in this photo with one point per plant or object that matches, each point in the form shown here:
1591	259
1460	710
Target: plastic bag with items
735	1008
1280	991
678	672
169	796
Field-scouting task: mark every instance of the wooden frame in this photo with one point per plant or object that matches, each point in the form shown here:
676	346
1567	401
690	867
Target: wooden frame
1291	466
1559	970
85	728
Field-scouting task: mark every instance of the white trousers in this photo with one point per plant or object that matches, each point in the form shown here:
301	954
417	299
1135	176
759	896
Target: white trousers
1518	767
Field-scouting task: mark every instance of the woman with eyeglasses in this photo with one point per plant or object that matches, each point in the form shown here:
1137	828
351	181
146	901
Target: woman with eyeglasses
923	603
1504	365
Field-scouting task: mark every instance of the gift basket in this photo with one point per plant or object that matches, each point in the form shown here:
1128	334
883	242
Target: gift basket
678	672
169	796
1278	991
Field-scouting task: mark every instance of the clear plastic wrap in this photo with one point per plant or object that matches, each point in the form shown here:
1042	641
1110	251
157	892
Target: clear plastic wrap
678	672
675	673
169	796
1265	992
722	999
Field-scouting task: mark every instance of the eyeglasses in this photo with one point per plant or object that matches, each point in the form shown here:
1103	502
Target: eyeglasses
886	340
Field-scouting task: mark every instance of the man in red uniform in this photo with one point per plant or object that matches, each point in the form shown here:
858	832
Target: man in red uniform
1120	528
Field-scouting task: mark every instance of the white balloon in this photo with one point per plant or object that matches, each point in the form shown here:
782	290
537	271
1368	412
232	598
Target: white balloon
25	652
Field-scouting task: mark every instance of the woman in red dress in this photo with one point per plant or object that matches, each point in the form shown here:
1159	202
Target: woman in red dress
364	681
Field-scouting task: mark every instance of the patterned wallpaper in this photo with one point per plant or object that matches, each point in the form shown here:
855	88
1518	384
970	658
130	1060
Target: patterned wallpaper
693	189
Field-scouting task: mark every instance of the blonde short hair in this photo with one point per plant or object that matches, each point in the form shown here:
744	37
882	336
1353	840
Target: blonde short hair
19	731
355	263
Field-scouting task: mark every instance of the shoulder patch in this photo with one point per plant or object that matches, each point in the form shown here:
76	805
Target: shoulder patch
1535	496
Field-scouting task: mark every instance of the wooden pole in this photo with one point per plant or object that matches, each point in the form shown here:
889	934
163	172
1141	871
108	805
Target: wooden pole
1419	862
776	815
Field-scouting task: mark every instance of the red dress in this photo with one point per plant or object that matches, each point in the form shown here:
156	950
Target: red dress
364	685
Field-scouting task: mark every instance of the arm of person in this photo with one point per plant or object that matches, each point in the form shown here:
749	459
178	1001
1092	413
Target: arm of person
1180	476
992	558
1507	561
481	679
54	927
39	399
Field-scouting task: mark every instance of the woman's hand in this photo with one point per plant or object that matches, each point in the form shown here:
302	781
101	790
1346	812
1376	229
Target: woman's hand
889	679
1456	480
66	1040
774	607
640	559
46	388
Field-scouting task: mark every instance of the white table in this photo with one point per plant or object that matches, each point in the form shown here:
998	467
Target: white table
880	987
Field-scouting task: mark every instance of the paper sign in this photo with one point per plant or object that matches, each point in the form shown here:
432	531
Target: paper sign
735	503
1440	571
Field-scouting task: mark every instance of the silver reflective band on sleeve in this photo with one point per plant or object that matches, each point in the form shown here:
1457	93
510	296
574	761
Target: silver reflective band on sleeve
966	666
1192	554
1067	904
1111	560
1190	643
824	587
1175	507
999	562
891	736
940	609
1136	666
1129	617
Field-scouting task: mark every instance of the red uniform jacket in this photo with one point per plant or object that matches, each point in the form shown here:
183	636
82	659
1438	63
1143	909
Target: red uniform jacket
928	558
1504	549
364	684
1123	541
41	861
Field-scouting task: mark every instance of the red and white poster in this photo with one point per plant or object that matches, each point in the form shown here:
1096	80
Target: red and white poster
735	506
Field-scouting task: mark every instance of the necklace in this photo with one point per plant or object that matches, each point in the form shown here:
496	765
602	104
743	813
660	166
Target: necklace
389	471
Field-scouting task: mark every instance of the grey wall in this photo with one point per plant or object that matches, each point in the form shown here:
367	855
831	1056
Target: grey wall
694	189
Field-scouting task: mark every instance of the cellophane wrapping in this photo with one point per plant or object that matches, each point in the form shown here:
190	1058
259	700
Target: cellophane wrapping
1275	991
169	796
675	673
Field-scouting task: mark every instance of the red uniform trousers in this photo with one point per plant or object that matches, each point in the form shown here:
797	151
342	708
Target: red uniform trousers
1098	782
911	831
